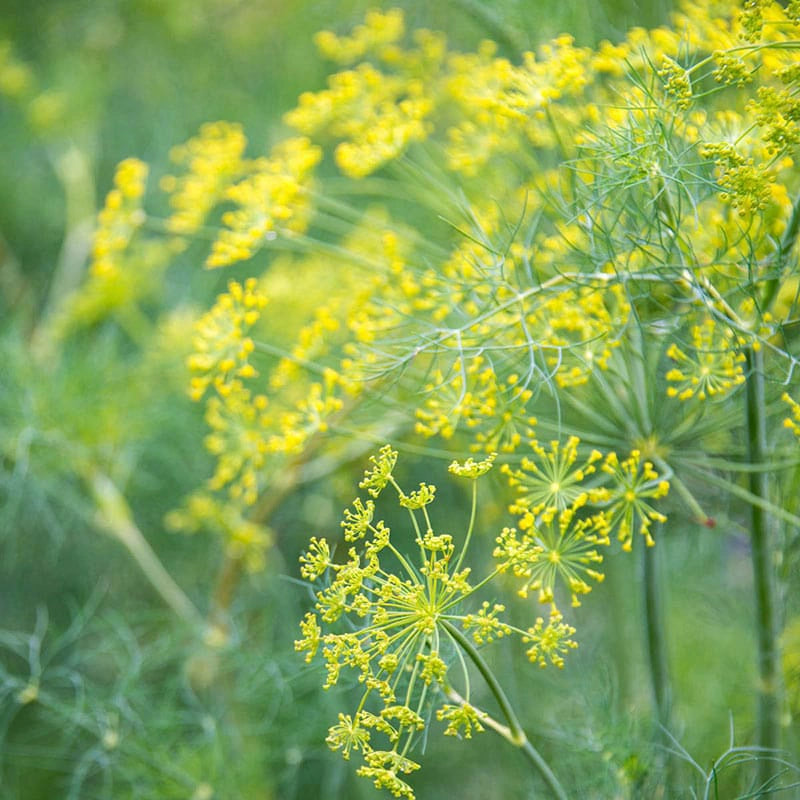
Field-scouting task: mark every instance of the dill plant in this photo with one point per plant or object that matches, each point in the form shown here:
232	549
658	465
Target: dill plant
596	284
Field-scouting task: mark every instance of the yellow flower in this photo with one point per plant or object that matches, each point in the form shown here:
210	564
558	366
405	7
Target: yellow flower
221	347
712	369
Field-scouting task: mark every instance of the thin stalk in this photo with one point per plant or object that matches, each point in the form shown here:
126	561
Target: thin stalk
676	483
769	731
115	516
514	733
471	525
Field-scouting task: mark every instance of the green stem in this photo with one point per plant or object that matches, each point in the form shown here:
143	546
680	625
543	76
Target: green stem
768	735
656	637
514	733
657	655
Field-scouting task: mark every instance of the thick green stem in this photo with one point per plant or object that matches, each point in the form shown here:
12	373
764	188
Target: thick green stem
768	735
514	733
657	656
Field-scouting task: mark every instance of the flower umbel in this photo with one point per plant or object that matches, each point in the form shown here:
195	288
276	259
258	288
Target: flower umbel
713	369
400	627
625	503
551	482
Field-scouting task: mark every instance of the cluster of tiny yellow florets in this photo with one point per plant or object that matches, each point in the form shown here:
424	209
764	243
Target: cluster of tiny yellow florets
376	116
120	218
550	642
238	423
213	160
713	366
222	347
378	31
677	83
752	18
272	199
568	510
126	266
626	506
551	482
403	624
744	184
569	332
777	111
467	396
793	422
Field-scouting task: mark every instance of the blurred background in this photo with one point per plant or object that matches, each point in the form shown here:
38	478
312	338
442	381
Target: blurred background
102	693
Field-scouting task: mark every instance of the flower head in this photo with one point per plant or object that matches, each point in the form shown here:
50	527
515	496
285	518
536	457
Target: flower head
398	624
625	505
551	482
713	368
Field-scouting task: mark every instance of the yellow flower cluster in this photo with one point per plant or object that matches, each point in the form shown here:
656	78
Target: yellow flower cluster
120	218
126	267
377	115
238	422
625	503
745	185
576	326
793	422
399	620
312	415
551	482
551	641
467	395
272	199
379	30
677	83
713	369
213	160
565	548
558	536
222	348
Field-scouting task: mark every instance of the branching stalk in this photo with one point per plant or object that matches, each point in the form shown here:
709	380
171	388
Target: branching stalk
514	733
